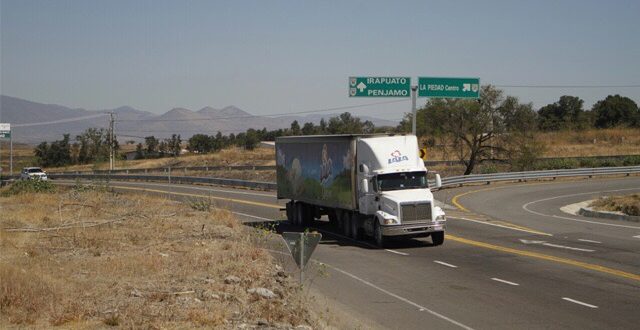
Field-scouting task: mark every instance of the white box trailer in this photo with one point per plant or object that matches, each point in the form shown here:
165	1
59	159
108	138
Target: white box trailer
366	184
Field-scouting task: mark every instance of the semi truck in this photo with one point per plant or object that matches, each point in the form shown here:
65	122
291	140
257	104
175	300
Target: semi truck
373	185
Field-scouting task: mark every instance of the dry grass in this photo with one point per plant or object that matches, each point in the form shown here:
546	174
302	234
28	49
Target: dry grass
593	142
87	259
628	204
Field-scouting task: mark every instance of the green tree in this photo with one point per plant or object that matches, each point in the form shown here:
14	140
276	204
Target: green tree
295	128
308	129
477	130
140	151
200	143
152	145
616	110
251	139
567	113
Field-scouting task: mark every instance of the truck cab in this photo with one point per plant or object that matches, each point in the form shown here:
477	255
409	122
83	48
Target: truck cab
394	196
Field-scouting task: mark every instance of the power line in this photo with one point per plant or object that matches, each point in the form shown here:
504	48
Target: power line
273	114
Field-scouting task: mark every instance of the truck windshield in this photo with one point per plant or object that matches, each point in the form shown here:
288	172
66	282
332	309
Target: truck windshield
400	181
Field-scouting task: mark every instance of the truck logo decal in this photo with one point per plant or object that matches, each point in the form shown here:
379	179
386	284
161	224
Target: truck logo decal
397	157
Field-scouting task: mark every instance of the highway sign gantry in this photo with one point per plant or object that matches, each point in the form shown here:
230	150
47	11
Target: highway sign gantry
379	86
438	87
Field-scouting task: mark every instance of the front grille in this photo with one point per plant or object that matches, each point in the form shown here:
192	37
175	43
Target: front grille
416	212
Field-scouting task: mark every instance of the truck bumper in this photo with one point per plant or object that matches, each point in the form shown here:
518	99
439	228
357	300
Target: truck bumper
414	229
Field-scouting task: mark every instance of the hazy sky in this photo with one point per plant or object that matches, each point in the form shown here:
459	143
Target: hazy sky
285	56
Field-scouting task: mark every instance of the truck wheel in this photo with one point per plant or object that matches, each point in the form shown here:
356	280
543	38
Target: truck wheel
377	235
332	218
437	238
355	230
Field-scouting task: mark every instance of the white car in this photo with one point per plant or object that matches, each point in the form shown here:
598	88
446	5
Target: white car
31	173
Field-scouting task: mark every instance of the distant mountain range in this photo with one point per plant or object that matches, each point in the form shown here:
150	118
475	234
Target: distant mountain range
33	122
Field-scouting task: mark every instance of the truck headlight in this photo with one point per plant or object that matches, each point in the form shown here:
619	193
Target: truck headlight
441	217
390	221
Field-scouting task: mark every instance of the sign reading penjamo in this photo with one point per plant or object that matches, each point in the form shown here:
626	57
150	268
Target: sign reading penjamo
379	86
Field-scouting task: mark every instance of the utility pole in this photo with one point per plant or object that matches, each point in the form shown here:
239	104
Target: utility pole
111	140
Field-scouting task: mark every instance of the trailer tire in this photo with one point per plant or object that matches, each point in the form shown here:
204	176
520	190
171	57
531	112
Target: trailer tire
437	238
380	240
346	224
290	211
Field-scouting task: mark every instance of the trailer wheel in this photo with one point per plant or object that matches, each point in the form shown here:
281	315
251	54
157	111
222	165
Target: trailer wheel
346	224
437	238
377	235
290	211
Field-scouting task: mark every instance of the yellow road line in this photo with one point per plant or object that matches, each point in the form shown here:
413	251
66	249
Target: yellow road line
524	253
537	255
275	206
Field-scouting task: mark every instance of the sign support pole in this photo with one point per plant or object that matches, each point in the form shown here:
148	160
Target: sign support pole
11	154
301	258
414	93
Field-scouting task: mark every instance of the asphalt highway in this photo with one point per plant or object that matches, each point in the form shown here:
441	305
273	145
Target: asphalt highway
511	259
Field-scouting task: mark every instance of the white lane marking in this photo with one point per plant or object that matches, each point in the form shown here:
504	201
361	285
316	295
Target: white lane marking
579	302
501	226
253	216
397	252
526	241
588	241
505	281
445	264
637	236
526	208
389	293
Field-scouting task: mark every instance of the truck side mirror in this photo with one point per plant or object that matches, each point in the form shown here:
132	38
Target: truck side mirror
364	186
364	169
438	181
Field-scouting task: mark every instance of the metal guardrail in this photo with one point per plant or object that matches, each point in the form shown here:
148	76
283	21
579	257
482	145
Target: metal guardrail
446	182
170	179
175	169
531	175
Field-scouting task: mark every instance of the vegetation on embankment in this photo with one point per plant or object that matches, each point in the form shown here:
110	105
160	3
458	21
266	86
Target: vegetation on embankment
89	258
627	204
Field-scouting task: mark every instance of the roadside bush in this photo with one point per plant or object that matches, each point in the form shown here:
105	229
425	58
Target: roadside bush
631	160
557	164
29	186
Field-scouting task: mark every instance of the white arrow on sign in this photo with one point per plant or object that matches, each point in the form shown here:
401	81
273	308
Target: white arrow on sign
361	86
466	87
526	241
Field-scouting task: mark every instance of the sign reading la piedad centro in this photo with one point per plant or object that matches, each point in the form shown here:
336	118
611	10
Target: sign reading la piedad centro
438	87
379	86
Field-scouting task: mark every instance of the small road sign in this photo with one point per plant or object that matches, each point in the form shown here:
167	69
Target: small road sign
5	130
423	153
436	87
379	86
301	246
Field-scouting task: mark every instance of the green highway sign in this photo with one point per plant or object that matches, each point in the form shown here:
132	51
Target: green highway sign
380	86
5	135
467	88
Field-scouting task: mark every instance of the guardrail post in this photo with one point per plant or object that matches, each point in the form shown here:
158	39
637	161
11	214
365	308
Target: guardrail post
169	171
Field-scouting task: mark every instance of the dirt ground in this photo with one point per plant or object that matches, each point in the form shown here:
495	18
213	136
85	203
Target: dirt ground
91	258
